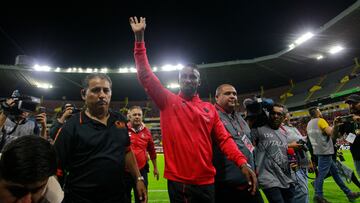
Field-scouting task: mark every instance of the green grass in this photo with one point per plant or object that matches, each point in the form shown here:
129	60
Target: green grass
158	189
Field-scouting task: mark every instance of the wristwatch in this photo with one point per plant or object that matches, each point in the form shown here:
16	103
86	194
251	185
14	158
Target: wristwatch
140	178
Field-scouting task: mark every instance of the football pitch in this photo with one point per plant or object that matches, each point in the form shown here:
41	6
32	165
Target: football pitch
158	189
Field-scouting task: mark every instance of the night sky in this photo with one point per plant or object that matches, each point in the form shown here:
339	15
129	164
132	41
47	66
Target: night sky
61	33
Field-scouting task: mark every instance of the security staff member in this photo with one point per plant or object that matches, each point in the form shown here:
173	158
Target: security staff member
93	148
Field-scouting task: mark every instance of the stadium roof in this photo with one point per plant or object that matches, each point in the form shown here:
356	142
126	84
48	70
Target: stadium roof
297	63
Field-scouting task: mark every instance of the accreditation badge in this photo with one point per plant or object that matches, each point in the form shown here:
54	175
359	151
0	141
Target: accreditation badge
247	143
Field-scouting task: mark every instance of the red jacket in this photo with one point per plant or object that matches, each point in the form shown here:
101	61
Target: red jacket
188	127
140	143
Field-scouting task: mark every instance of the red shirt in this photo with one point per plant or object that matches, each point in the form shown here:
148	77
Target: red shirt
141	142
188	127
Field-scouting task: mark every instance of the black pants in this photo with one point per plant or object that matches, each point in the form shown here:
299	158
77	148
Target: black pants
229	193
185	193
130	184
280	195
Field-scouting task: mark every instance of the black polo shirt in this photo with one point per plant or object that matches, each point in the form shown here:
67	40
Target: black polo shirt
93	154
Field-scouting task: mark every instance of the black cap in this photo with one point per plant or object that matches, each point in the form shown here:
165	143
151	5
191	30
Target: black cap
354	98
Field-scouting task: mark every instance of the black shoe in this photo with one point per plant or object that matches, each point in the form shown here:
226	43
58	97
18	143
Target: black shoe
318	199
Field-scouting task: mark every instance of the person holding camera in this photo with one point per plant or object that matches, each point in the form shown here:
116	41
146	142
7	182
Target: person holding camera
297	142
15	123
350	125
230	183
320	135
271	157
67	110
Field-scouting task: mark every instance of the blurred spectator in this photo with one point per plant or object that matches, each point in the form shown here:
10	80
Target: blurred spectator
27	167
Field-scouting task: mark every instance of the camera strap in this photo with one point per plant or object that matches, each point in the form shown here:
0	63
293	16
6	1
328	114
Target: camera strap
13	130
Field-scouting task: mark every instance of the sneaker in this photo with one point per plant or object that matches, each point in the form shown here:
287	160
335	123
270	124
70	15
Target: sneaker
352	196
318	199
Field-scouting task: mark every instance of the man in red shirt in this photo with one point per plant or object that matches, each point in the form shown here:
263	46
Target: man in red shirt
189	127
141	144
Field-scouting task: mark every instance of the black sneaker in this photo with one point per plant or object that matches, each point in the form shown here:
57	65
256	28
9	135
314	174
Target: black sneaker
352	196
318	199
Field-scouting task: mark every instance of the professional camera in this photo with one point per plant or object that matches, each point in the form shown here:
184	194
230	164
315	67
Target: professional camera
346	119
23	103
257	110
74	108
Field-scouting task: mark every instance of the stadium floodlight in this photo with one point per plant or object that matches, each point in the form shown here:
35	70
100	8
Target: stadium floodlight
133	70
319	57
41	68
123	70
43	85
335	49
57	69
154	69
303	38
69	70
103	70
80	70
89	70
179	66
95	70
168	67
291	46
173	86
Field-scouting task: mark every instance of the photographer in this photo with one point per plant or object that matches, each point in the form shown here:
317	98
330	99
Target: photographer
350	125
271	157
297	142
320	134
67	110
15	122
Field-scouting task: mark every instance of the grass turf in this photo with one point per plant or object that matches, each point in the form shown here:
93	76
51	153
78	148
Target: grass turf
158	189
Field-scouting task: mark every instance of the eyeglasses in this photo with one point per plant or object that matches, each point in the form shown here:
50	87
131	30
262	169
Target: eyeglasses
20	191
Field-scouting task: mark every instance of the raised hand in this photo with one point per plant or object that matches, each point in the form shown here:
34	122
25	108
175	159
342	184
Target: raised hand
138	28
137	25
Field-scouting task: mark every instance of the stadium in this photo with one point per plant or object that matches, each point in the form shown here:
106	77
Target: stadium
319	68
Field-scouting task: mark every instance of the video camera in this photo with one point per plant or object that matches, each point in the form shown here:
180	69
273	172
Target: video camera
257	109
23	103
346	119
